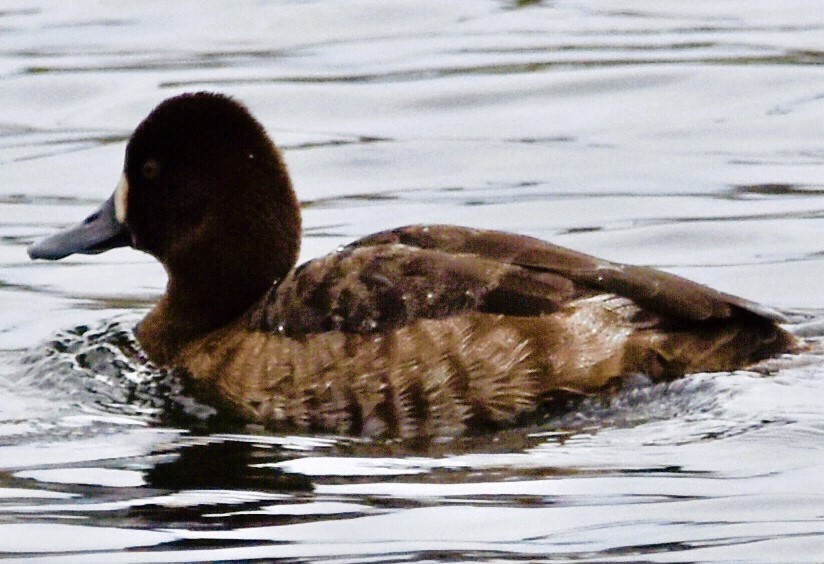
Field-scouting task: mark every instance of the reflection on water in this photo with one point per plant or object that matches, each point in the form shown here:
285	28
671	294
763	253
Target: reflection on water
685	136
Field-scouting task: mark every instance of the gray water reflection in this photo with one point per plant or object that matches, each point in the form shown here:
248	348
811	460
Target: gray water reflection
685	136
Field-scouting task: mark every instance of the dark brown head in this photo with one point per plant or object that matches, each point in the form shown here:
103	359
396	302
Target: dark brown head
202	186
200	170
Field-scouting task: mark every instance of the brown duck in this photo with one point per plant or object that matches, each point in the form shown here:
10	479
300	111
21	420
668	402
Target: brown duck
420	331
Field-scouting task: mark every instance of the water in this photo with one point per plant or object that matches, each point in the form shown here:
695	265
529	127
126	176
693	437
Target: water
681	135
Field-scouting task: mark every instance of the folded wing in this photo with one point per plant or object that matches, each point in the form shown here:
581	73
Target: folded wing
392	278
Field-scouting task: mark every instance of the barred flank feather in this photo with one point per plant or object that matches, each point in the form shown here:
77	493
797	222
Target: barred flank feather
444	377
501	381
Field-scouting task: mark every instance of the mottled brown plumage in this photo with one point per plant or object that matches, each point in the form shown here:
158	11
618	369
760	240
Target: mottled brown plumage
415	332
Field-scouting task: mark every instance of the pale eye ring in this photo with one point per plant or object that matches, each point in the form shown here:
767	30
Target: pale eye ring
151	168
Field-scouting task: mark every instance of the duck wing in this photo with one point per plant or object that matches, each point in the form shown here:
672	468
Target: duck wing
653	289
391	278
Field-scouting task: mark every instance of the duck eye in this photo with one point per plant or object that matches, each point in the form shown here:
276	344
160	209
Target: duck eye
151	168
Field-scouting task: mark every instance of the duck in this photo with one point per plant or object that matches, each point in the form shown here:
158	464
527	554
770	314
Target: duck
418	331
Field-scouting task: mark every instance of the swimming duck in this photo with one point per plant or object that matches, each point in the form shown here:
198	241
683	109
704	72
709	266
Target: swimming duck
420	331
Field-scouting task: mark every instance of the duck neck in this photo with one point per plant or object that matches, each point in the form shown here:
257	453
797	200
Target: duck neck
212	286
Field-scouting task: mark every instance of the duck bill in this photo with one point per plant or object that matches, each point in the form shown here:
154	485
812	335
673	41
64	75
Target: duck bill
99	232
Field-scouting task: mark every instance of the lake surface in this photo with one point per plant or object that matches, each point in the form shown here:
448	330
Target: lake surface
686	136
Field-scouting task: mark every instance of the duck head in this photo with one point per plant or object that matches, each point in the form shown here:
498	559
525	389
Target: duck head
205	191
